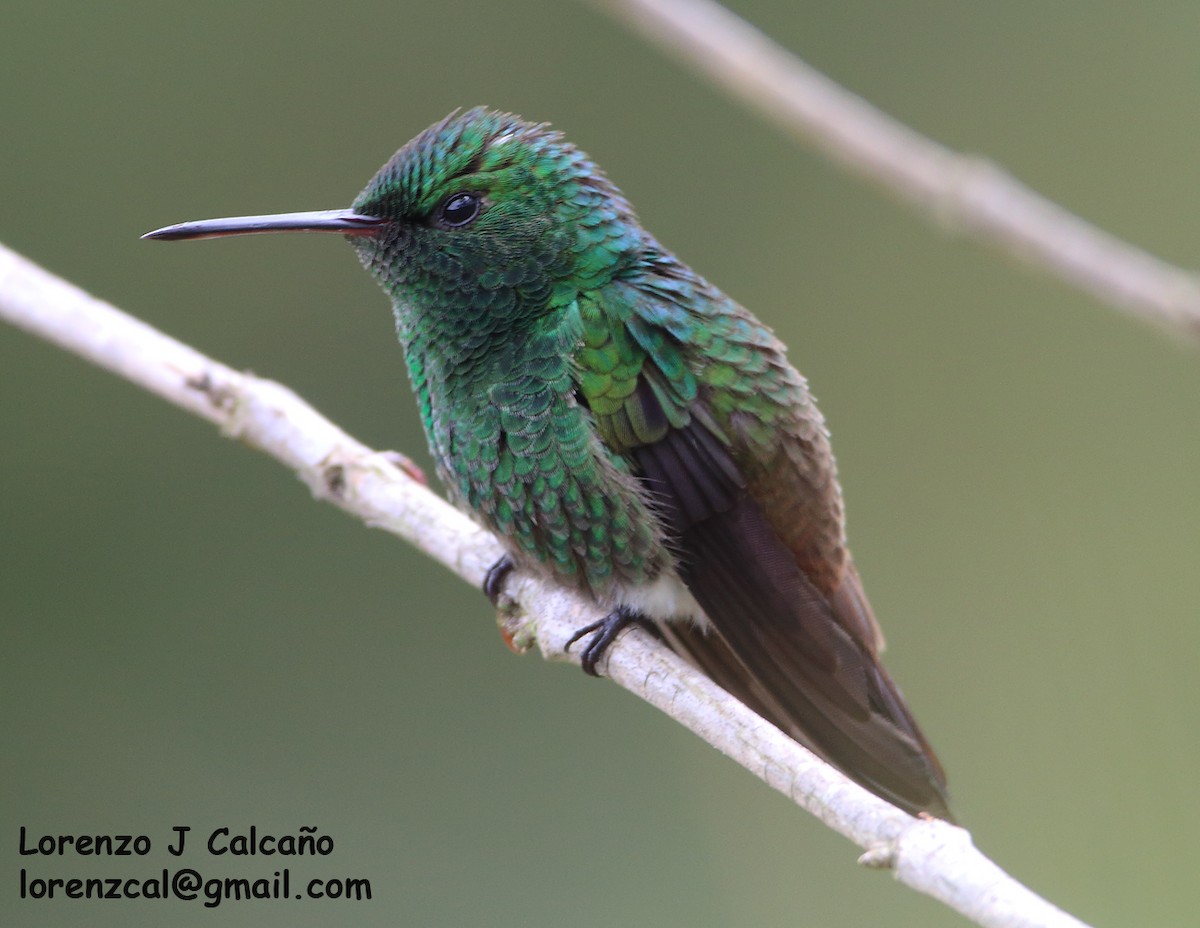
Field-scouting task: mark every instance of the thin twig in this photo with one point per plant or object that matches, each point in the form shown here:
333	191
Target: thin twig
931	856
962	193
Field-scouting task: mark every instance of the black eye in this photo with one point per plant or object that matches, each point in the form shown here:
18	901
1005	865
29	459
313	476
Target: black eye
459	209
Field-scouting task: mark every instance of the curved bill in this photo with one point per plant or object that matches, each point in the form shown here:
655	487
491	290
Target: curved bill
345	221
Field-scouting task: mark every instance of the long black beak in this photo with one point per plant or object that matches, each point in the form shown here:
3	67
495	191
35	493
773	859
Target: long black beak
345	221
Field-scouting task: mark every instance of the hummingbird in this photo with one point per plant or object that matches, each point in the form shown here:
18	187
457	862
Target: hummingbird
626	429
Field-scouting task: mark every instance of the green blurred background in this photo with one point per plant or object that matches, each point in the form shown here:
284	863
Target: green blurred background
187	638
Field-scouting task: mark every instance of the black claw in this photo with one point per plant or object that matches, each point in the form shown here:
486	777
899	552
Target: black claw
493	581
605	633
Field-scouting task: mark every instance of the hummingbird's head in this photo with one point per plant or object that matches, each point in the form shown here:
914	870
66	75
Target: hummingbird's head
484	209
480	224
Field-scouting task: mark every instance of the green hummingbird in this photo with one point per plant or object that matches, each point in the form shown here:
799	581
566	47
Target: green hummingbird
626	429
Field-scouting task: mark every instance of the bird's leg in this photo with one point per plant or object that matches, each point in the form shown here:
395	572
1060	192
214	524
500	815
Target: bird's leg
604	632
493	580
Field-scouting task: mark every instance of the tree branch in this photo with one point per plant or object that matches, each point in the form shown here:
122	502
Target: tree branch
962	193
931	856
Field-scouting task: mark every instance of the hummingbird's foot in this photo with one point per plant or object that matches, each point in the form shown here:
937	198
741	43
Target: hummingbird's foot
493	581
604	633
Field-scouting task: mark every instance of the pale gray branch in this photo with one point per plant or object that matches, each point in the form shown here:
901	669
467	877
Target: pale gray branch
957	191
930	856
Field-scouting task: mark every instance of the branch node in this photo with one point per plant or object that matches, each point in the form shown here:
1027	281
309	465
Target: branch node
222	397
518	632
972	183
405	464
333	476
880	856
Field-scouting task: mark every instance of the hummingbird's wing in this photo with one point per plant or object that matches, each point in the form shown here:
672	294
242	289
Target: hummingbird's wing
779	645
791	633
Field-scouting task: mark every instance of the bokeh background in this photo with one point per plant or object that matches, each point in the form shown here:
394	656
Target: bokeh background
187	638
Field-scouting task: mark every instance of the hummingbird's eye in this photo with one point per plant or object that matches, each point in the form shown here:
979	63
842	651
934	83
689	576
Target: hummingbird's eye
459	209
